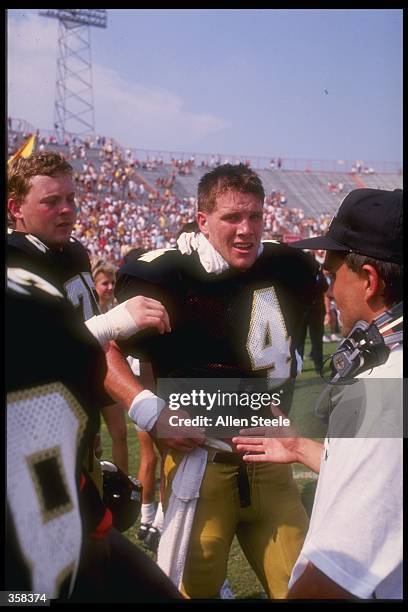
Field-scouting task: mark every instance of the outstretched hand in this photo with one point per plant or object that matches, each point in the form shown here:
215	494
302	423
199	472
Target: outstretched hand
274	450
272	444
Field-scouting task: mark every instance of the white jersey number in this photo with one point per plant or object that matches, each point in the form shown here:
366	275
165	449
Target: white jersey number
79	291
44	428
268	343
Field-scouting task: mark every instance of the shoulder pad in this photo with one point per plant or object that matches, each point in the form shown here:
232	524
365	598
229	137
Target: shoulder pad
274	248
271	241
76	245
26	242
291	261
78	252
74	240
157	266
22	281
282	249
152	255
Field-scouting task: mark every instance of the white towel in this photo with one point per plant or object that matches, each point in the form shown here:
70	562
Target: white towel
179	515
178	519
210	258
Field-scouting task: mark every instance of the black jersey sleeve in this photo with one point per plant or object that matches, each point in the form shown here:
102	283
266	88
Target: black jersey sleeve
152	275
156	275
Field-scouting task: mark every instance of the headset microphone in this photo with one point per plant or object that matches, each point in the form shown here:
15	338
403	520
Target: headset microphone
366	346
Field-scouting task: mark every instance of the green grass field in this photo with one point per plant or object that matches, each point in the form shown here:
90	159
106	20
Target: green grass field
242	580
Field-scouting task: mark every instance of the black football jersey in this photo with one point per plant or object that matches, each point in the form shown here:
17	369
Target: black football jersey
54	378
230	325
67	268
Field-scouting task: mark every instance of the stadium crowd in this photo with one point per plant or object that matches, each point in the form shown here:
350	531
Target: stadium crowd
119	210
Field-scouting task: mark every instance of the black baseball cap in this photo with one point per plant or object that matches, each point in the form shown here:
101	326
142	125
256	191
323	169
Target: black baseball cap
368	222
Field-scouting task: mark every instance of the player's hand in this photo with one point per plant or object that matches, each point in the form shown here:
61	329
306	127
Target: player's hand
147	312
273	444
177	436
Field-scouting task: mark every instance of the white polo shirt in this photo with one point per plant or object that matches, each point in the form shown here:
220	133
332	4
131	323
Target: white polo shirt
355	532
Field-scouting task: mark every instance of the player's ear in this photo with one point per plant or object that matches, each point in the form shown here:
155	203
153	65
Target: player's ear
202	223
14	208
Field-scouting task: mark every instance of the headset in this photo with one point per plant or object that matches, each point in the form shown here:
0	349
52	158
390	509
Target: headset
366	346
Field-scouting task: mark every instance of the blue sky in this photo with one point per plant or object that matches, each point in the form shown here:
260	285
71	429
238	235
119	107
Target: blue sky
236	81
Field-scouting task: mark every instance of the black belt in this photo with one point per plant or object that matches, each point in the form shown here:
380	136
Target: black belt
242	476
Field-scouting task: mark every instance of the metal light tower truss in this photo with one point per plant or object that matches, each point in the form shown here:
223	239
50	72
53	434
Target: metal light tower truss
74	106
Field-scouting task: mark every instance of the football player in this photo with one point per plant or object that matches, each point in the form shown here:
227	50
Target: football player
53	390
42	211
235	304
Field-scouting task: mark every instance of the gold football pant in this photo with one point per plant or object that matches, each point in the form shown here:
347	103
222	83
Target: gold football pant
270	530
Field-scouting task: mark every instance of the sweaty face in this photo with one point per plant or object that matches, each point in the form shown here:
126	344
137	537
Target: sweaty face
48	210
234	227
104	285
348	292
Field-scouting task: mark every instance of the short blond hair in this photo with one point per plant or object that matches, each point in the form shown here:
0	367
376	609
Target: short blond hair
21	170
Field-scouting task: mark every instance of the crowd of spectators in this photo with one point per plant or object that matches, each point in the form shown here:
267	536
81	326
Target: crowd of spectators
119	209
283	222
118	212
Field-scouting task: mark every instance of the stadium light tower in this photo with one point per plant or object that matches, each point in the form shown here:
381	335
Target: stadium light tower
74	106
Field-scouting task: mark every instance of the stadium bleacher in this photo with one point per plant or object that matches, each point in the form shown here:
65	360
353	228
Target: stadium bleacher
382	181
116	212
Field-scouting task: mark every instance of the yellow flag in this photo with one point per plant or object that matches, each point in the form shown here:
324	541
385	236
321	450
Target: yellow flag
25	150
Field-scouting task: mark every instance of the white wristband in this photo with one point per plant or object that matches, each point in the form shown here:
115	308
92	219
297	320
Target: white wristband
116	324
145	410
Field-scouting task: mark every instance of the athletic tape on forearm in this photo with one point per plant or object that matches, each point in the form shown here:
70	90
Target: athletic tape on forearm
116	324
145	410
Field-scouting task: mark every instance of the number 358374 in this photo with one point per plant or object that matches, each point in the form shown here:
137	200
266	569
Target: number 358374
26	597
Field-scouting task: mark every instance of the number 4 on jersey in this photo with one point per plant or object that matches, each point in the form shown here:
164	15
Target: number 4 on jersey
268	343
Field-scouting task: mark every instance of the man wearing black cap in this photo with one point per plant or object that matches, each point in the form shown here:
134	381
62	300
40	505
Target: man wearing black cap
353	548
